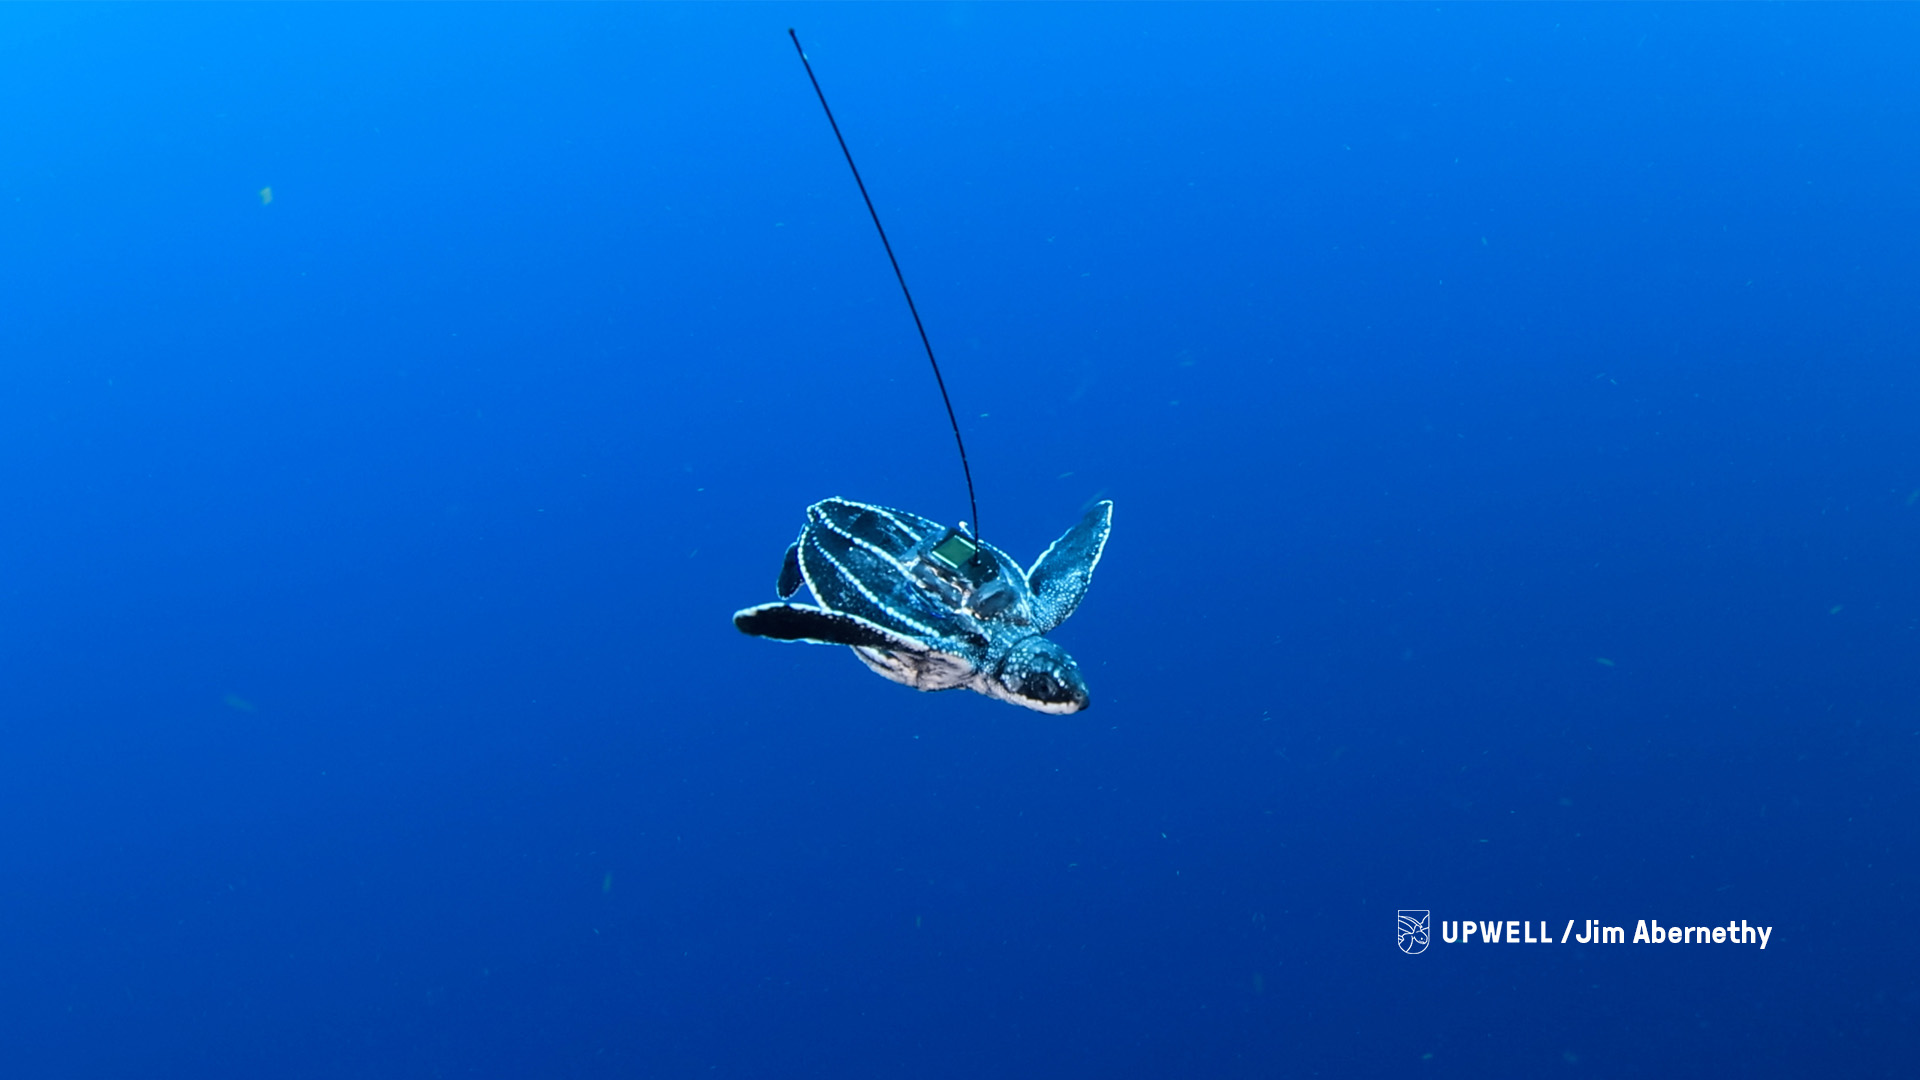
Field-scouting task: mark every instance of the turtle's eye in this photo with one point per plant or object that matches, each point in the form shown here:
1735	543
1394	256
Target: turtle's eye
1040	675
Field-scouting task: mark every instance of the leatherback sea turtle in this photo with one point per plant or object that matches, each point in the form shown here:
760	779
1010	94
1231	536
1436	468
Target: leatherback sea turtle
934	608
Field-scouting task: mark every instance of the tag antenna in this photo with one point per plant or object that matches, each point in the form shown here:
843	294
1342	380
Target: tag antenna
953	420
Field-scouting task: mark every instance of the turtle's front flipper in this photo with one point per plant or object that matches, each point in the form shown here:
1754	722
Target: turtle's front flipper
1061	574
790	579
799	622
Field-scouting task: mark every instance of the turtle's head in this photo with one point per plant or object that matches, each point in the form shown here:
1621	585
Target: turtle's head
1039	675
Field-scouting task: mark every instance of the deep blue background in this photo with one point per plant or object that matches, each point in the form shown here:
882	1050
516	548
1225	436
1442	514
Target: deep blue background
368	701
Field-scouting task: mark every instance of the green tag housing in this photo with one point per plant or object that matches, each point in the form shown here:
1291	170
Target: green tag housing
955	551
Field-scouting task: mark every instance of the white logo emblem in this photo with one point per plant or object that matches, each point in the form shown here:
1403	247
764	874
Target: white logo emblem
1416	931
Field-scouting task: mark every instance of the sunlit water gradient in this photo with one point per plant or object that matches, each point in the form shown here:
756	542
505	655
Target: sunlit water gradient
1510	414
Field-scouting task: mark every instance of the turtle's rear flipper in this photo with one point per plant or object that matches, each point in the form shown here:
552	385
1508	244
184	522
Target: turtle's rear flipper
799	622
790	579
1061	574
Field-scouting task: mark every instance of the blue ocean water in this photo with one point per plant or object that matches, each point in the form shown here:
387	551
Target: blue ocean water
1510	414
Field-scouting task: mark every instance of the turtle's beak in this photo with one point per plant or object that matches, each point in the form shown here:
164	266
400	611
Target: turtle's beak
1040	675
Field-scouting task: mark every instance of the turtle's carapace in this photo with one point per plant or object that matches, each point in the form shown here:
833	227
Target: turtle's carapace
934	609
